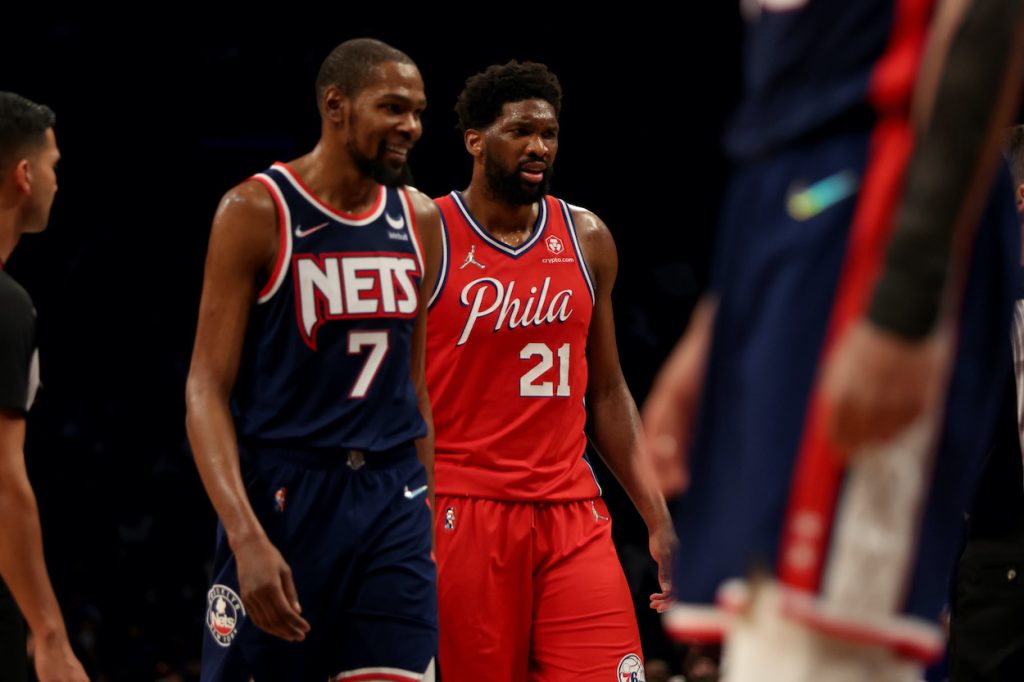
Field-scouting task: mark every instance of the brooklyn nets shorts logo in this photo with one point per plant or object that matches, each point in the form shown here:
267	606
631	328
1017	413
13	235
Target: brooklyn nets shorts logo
631	669
223	611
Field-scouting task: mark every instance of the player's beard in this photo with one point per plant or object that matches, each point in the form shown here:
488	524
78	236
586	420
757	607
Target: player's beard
509	186
379	171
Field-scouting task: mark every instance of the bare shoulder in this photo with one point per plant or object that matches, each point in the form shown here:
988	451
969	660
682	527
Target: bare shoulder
247	200
246	223
422	205
428	217
596	241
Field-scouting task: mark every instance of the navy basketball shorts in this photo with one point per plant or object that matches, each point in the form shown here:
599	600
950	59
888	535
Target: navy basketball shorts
781	260
356	533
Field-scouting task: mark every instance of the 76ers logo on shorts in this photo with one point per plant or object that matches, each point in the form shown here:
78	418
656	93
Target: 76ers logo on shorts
631	669
223	611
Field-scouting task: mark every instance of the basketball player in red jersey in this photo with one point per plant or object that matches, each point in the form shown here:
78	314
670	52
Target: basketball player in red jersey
529	582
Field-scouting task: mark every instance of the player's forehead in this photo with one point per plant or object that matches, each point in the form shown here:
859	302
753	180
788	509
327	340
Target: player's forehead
532	111
395	79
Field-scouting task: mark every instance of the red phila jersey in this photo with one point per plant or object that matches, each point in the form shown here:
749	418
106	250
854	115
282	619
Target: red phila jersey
506	359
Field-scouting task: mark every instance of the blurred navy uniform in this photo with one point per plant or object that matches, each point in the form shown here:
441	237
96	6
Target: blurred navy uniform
822	140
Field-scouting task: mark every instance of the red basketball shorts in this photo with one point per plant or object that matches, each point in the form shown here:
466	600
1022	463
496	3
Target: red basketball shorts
532	591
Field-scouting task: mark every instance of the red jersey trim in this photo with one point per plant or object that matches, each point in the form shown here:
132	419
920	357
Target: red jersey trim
331	212
284	248
892	80
538	228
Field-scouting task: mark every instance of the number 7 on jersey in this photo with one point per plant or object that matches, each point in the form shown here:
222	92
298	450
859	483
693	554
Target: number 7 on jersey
377	342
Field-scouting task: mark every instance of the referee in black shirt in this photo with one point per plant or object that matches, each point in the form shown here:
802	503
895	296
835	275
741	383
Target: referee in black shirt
28	181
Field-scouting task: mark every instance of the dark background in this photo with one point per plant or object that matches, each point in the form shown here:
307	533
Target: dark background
158	117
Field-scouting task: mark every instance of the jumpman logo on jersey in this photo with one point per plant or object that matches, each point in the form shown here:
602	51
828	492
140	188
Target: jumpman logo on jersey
471	260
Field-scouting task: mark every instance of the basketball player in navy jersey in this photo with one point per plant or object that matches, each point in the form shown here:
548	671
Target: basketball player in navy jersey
28	182
854	304
307	410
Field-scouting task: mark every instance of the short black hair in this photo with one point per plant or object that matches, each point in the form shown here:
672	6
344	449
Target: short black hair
349	66
481	101
23	124
1014	152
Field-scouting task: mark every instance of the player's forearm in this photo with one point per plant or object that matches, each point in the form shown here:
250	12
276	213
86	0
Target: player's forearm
22	564
211	433
616	434
952	162
425	445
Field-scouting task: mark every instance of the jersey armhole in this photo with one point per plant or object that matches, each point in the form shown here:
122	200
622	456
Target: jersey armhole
284	249
410	216
442	270
581	259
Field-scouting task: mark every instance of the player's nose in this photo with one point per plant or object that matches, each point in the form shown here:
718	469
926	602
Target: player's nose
411	125
537	146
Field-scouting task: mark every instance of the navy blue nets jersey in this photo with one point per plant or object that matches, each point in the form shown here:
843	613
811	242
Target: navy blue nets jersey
327	359
810	66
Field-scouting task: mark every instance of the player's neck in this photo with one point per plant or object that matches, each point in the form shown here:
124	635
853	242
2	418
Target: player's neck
9	234
500	218
335	180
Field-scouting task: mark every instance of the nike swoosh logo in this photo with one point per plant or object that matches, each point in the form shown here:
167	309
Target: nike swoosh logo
395	223
412	494
299	232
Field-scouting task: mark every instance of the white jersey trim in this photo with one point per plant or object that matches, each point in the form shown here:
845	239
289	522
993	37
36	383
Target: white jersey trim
277	277
377	673
515	252
410	220
584	266
316	203
442	271
908	636
696	624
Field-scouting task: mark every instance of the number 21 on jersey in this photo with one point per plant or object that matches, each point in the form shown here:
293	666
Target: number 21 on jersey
529	387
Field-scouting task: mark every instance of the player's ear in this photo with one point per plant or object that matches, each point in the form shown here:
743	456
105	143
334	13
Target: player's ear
334	105
474	140
21	176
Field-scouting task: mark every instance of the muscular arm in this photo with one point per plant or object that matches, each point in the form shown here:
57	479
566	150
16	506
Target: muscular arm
21	557
671	406
243	244
885	369
428	224
614	420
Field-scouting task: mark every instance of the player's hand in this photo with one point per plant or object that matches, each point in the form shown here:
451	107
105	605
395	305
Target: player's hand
662	544
54	660
671	406
876	383
267	591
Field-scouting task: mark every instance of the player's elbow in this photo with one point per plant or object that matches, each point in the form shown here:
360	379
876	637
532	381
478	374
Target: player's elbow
200	395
